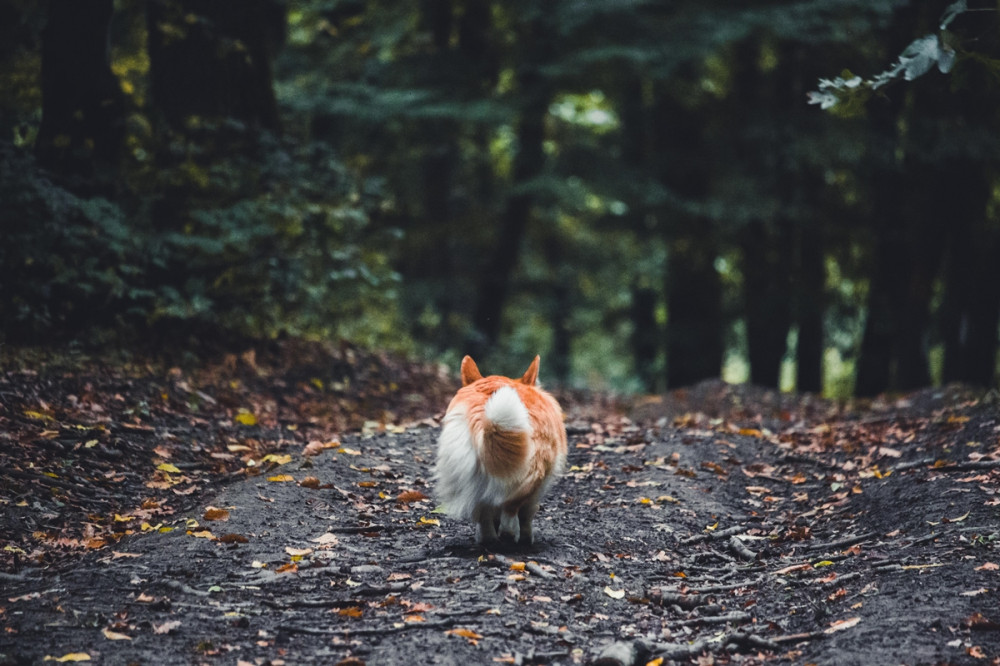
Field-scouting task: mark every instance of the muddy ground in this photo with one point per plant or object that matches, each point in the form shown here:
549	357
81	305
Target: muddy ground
713	525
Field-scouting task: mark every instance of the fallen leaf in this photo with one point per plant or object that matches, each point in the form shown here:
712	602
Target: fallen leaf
465	633
233	538
114	635
975	593
277	459
613	593
351	611
989	566
408	496
429	521
246	418
166	627
72	656
167	467
655	662
517	566
975	652
298	552
840	625
281	478
203	534
327	539
212	513
310	482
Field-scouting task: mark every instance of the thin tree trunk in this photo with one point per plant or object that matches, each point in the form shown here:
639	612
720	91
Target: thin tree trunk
810	308
767	261
83	106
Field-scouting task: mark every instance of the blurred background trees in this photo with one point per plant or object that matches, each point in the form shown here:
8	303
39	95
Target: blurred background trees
637	190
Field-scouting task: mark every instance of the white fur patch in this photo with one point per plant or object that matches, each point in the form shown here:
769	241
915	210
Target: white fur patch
460	481
505	409
509	524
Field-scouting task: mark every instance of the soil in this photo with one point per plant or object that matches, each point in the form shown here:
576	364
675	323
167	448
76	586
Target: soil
277	508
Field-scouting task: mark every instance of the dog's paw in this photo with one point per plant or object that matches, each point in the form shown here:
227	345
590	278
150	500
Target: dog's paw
509	524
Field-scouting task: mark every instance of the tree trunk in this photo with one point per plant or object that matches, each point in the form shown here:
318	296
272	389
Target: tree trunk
212	60
810	305
767	261
83	106
498	268
694	319
645	336
971	309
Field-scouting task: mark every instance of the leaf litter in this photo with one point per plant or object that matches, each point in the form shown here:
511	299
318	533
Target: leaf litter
778	543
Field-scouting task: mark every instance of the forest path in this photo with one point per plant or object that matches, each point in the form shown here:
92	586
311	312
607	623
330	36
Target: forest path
722	521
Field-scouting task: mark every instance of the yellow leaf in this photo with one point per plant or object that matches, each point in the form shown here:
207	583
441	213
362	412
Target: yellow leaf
517	566
72	656
645	500
824	563
167	467
429	521
711	528
204	534
655	662
281	478
38	416
246	418
257	564
351	611
277	459
114	635
613	593
123	519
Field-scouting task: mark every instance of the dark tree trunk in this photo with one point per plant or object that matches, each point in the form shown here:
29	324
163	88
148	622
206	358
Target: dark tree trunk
498	267
767	261
213	60
971	309
693	290
694	319
645	336
810	305
83	106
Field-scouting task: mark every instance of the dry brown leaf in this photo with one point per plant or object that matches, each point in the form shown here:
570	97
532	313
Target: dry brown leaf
310	482
408	496
213	513
840	625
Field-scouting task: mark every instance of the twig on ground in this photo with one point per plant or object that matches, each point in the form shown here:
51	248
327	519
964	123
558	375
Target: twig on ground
841	543
187	589
713	536
738	547
735	616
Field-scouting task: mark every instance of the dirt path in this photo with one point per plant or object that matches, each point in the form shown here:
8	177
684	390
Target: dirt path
722	526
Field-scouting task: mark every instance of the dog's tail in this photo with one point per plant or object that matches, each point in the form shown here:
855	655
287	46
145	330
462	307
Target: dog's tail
506	433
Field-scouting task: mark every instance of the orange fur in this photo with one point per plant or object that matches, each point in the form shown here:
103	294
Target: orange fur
519	461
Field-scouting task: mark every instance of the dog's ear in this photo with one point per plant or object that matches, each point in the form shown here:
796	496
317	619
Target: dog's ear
531	374
470	372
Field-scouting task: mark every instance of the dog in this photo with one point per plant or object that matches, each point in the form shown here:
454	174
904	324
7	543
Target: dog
502	443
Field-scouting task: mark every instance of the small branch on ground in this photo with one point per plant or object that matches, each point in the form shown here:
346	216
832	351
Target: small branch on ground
713	536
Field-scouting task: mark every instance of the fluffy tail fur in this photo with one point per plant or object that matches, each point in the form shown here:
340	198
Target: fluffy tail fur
482	451
506	433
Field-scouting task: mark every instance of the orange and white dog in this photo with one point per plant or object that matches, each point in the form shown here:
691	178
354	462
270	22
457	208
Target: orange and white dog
502	442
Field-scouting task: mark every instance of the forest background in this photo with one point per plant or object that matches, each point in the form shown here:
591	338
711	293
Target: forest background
639	190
